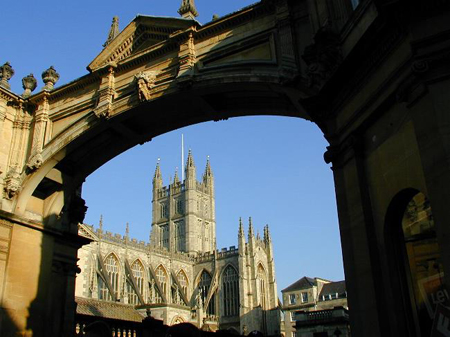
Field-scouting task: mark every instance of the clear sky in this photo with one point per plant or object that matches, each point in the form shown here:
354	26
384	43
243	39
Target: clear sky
269	168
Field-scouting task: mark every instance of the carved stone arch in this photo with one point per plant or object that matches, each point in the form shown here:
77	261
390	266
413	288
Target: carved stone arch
229	264
177	320
115	255
183	272
199	275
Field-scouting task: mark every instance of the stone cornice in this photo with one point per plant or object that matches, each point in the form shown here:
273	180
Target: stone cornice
9	95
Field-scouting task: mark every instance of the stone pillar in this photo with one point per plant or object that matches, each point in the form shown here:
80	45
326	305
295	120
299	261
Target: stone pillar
359	241
40	122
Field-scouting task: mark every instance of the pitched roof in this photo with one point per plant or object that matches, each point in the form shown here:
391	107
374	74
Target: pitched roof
333	288
112	310
304	282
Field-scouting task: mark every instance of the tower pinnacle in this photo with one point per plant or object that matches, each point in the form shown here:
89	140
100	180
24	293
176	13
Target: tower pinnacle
187	9
113	31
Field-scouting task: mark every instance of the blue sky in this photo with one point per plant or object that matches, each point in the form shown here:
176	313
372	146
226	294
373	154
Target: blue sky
269	168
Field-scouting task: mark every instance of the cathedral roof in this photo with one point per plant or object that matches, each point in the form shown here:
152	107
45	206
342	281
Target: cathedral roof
111	310
304	282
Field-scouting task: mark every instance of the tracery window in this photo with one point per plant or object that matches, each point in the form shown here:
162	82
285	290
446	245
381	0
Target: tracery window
164	210
162	279
184	283
112	270
203	288
138	273
230	290
261	277
165	236
179	209
180	236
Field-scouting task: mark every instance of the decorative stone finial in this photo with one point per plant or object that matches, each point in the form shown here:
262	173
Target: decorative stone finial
215	17
50	77
29	83
113	31
188	10
6	72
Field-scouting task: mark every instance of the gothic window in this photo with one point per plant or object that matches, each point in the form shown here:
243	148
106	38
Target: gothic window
164	210
422	263
203	288
165	236
230	290
162	279
112	270
180	236
179	209
261	279
184	283
138	273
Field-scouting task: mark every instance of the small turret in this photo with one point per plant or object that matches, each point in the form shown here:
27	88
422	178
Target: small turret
251	234
176	180
113	31
208	177
157	178
127	232
187	9
190	172
267	238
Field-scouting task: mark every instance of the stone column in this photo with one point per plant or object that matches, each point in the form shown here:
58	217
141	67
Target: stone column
359	241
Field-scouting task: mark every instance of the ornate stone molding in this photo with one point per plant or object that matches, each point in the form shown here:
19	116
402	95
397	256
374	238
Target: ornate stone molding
186	56
322	57
35	161
187	9
106	94
145	82
12	183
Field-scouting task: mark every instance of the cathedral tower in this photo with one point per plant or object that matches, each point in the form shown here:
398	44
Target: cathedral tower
184	212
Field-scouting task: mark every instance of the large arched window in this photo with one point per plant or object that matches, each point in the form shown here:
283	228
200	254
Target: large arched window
161	275
184	283
112	269
203	288
261	279
138	273
230	291
423	267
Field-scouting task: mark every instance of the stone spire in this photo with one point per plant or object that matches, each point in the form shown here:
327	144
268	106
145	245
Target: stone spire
127	231
6	72
187	9
113	31
157	178
241	229
176	180
267	237
251	234
190	172
100	223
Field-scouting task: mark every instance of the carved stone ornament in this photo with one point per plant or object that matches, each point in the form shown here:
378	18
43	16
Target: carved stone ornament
50	77
29	83
322	57
12	183
35	162
145	83
6	72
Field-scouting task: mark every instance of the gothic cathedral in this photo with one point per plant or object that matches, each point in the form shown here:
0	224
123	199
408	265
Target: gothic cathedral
180	276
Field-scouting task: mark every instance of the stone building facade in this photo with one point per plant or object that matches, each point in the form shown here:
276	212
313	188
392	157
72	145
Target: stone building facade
180	276
315	307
